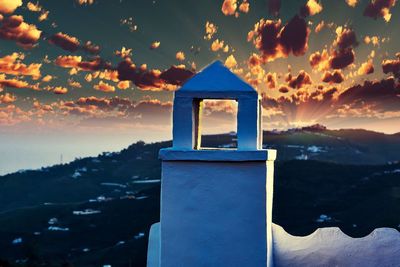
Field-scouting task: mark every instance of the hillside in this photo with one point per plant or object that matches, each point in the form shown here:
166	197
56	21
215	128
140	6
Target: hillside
97	211
354	146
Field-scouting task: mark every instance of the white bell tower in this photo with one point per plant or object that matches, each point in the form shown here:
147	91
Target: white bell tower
216	204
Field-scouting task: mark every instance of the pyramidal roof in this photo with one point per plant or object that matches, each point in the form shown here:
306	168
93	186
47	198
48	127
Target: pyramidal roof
216	78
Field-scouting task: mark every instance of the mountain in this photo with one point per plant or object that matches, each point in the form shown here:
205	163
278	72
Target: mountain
350	146
97	211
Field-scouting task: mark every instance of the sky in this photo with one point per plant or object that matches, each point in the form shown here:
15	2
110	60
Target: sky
78	77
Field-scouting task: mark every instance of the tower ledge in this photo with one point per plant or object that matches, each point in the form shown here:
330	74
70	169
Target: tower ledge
171	154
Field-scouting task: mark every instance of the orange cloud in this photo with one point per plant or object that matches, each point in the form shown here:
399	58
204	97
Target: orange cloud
319	26
11	64
352	3
123	85
311	8
75	62
104	87
244	6
124	52
74	84
180	56
217	45
7	98
14	83
85	2
9	6
371	39
59	90
14	28
47	78
230	62
211	29
366	68
229	7
155	45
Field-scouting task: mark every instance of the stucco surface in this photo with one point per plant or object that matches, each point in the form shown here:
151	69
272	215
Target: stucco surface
329	247
153	248
214	213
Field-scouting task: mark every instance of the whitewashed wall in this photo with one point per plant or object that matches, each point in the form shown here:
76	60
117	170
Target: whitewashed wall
331	247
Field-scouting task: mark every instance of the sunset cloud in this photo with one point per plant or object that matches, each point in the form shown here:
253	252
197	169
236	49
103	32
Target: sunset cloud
211	29
366	68
85	2
302	79
13	83
352	3
371	39
12	64
271	80
14	28
124	52
379	8
66	42
335	76
230	61
217	45
392	66
59	90
345	38
340	59
155	45
311	8
152	79
277	41
229	7
9	6
244	6
91	48
7	98
104	87
284	89
38	8
180	56
76	62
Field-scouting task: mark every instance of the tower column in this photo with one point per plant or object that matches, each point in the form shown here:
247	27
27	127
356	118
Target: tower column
216	208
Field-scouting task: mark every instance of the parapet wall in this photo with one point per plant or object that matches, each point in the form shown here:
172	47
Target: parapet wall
331	247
